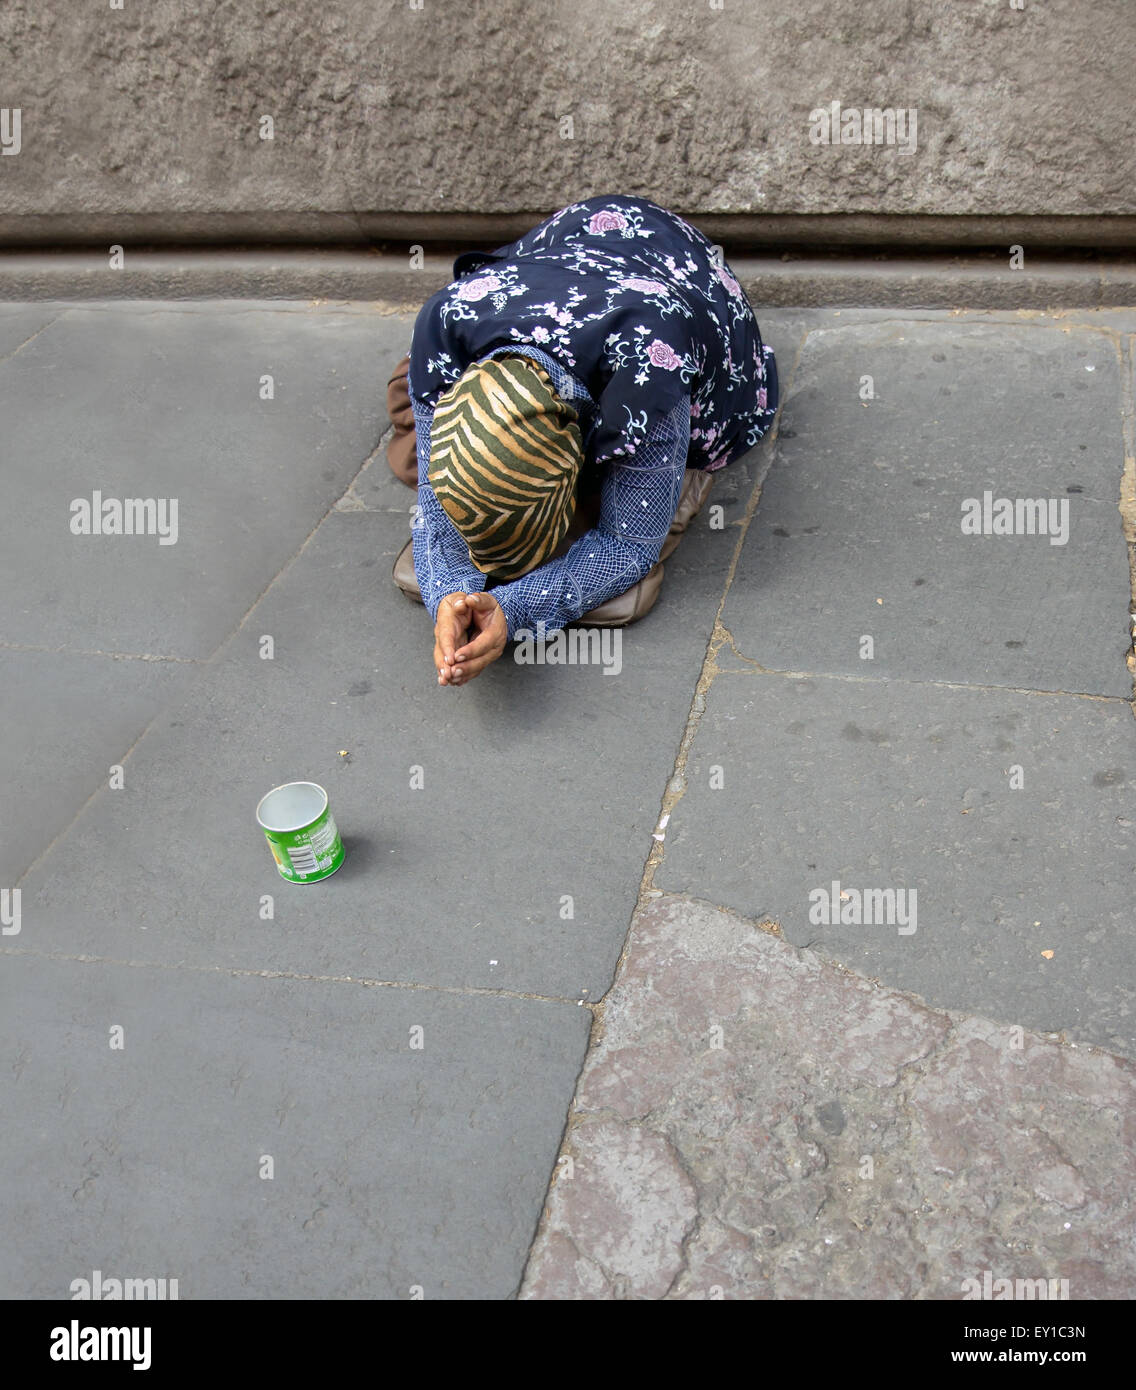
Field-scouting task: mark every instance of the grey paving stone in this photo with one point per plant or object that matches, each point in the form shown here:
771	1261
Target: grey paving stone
69	718
756	1123
377	489
19	323
156	402
859	531
393	1166
886	784
541	783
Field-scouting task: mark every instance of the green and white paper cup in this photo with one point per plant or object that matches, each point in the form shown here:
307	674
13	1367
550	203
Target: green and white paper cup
301	832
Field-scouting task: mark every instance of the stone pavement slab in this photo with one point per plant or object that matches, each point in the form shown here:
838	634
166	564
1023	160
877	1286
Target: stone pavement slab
859	532
151	905
164	403
794	783
19	324
758	1117
69	718
392	1165
1005	811
105	375
755	1122
515	865
498	894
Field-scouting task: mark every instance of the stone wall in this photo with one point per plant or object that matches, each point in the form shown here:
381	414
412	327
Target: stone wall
411	116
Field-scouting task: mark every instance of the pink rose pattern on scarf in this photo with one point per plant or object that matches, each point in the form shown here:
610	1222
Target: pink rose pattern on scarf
634	301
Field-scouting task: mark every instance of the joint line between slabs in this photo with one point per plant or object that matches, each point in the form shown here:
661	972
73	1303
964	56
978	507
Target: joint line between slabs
331	510
113	656
759	670
1127	502
242	972
676	783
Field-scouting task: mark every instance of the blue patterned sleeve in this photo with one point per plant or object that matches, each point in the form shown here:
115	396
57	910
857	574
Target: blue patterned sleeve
441	558
637	505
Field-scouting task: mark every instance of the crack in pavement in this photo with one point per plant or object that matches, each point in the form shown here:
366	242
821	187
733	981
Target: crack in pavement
980	1143
239	972
7	357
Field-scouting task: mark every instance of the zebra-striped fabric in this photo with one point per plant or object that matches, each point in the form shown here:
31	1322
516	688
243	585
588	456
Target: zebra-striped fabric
505	457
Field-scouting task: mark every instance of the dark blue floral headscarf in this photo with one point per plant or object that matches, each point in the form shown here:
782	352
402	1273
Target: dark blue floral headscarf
634	302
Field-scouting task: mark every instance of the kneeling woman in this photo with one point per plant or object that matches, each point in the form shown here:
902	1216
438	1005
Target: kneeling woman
565	404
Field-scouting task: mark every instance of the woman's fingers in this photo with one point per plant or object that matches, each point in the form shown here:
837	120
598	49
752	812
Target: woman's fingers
483	642
449	633
468	669
490	633
487	626
453	621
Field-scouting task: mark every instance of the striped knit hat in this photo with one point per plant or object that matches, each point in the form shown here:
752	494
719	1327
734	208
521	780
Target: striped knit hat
505	456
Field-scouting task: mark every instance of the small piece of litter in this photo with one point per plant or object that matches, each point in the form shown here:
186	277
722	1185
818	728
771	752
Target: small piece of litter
1048	955
492	962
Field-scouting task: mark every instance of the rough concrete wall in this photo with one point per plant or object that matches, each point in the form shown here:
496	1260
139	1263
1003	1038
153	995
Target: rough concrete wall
154	108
